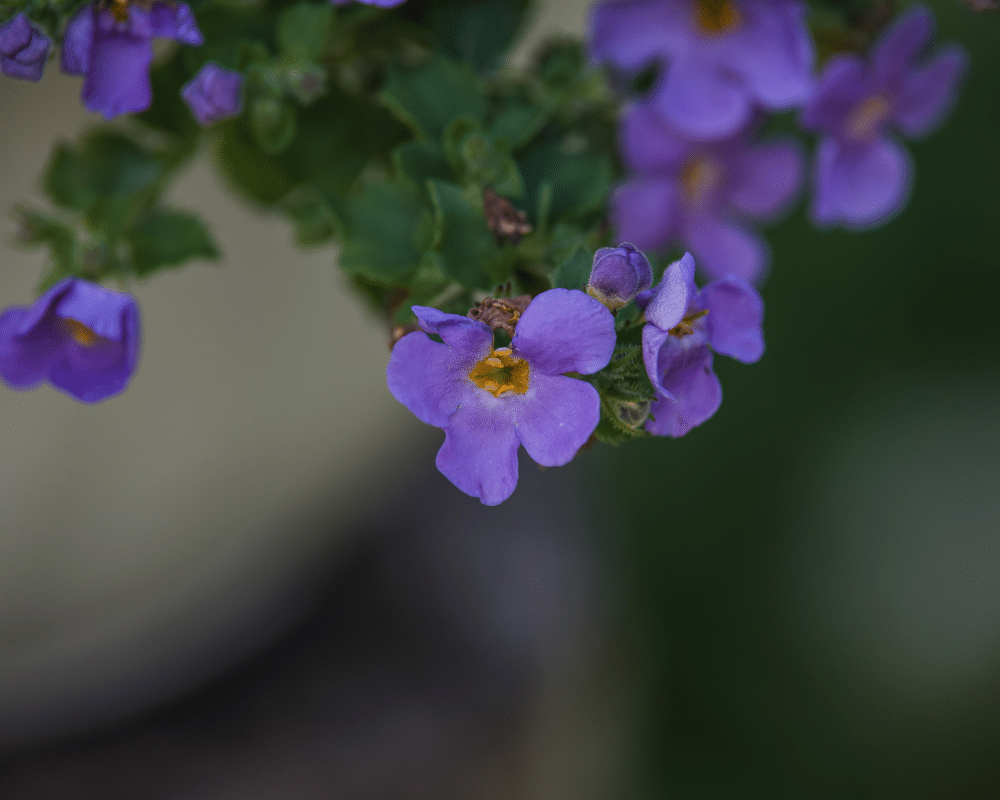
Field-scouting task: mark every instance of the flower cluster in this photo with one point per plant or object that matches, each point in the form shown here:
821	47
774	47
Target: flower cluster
697	176
80	337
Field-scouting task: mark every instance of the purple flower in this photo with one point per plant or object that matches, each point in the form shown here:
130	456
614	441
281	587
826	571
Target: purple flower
379	3
213	94
112	48
720	58
618	275
23	49
699	194
491	400
80	336
862	175
685	325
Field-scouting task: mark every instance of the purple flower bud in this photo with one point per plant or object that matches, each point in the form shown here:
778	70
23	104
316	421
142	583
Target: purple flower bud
81	337
618	275
213	94
23	49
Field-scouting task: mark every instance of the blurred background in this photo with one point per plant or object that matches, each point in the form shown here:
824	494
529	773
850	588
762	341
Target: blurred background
244	578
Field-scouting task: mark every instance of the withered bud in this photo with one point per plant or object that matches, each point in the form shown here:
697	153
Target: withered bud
500	312
397	332
506	223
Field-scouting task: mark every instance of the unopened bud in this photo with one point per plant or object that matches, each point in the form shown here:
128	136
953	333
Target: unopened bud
618	275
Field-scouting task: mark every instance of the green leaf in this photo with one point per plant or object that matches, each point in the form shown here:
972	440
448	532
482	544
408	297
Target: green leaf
419	160
166	238
479	159
478	32
574	272
35	229
581	181
272	120
427	98
103	164
467	249
388	229
518	123
250	170
303	28
315	220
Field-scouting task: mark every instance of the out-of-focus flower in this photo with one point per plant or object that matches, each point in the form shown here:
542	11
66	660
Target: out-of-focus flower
720	58
81	337
619	274
699	194
684	327
379	3
112	48
23	49
488	401
862	175
214	93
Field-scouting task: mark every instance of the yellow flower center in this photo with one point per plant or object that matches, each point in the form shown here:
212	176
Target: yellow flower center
81	333
700	177
686	326
500	373
865	118
717	16
119	9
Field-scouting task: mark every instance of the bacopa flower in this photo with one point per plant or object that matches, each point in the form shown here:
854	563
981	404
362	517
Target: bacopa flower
214	93
619	274
684	327
700	194
23	49
111	46
379	3
720	58
862	175
81	337
491	400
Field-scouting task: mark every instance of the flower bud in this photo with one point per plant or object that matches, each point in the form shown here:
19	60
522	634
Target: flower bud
23	49
213	94
618	275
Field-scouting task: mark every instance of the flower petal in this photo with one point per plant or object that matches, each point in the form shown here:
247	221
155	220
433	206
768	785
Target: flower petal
694	390
896	50
117	79
701	101
860	186
556	417
767	178
653	339
674	294
171	21
74	56
735	316
564	330
646	211
928	93
28	351
647	143
842	85
479	454
470	338
428	378
633	33
722	247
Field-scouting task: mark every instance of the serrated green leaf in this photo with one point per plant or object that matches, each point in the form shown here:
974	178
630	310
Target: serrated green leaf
427	98
478	32
388	229
303	28
574	272
167	238
467	249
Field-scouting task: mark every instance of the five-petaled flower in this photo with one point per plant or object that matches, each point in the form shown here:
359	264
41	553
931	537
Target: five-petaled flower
214	93
488	401
111	46
719	59
700	193
23	49
684	326
81	337
862	175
